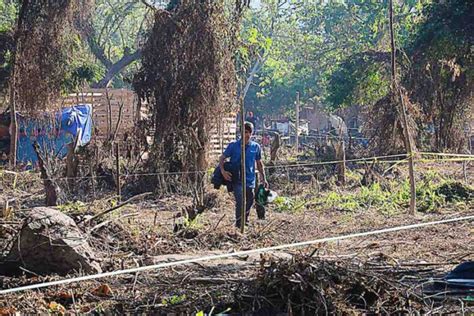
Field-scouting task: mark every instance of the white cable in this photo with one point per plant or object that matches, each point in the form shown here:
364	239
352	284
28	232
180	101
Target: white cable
229	255
309	164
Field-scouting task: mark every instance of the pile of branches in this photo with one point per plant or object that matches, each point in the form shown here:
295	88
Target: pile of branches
43	47
188	78
311	286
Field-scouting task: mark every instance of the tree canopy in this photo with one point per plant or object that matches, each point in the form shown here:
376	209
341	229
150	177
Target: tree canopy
333	53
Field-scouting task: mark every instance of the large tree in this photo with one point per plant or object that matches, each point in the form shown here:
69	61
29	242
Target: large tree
435	61
188	77
43	51
441	76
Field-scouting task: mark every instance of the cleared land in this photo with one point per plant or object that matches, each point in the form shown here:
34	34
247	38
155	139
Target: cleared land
383	273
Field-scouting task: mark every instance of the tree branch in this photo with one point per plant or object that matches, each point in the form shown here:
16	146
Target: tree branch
149	5
116	68
88	31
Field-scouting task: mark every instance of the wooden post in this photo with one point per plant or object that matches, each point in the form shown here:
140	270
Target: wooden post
470	142
297	123
263	137
91	168
464	171
350	141
242	167
343	165
117	166
469	148
406	132
13	128
109	115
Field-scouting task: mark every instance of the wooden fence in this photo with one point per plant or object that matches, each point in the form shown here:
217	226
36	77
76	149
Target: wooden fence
115	111
224	132
111	105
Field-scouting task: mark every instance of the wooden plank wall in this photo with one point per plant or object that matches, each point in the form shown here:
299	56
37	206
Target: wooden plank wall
100	99
224	132
220	136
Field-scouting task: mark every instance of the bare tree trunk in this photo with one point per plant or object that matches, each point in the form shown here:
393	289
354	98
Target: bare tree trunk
54	195
72	164
341	155
274	147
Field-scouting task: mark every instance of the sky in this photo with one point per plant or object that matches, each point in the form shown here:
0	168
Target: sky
255	3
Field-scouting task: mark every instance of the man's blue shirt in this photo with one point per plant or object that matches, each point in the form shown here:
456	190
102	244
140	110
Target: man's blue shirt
253	152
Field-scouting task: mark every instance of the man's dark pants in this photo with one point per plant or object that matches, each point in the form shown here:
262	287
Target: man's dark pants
249	197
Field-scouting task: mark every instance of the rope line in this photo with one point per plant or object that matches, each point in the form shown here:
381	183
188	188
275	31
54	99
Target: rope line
447	154
229	255
375	159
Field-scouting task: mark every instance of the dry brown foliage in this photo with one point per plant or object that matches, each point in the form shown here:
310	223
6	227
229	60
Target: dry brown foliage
188	77
42	50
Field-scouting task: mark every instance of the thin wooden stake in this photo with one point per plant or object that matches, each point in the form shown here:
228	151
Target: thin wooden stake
297	123
242	169
469	146
343	171
117	166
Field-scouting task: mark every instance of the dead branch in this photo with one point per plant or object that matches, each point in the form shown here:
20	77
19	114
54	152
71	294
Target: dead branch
132	199
54	194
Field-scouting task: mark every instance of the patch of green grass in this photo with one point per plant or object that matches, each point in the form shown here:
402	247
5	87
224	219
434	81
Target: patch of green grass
193	224
353	176
71	208
432	193
173	300
285	204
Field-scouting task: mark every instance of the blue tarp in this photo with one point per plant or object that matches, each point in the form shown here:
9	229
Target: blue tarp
53	135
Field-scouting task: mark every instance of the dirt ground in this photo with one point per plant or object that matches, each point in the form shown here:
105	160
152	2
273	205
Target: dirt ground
142	233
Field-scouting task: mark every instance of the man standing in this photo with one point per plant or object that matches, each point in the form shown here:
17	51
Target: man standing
253	156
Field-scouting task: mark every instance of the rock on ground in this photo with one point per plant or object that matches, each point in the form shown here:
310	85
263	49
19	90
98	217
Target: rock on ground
51	242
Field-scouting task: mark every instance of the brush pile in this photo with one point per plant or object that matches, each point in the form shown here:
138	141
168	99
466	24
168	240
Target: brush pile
308	285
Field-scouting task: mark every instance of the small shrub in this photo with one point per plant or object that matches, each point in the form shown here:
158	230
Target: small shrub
284	204
173	300
455	192
72	208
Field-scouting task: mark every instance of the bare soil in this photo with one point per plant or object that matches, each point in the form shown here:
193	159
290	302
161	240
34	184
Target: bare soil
142	233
